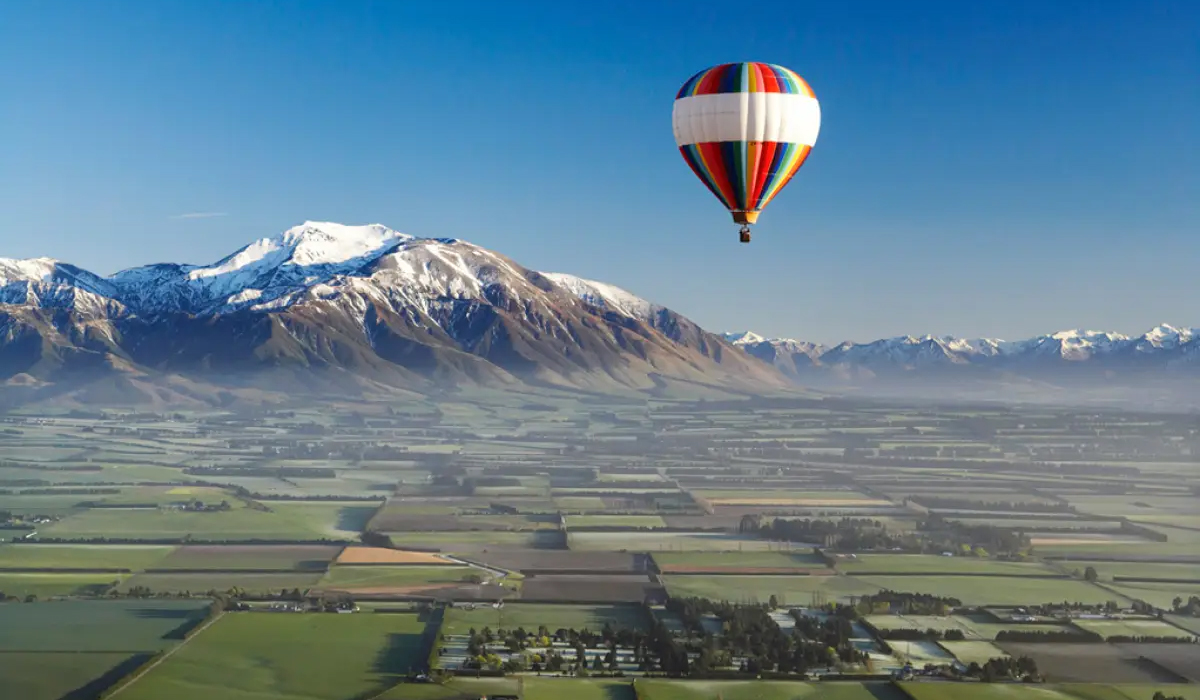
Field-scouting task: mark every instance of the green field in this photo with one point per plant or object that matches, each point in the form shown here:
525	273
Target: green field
764	690
1152	570
1131	628
629	521
60	556
995	590
303	557
455	689
532	615
1062	691
665	542
91	626
801	559
468	541
222	581
253	656
46	585
975	626
241	523
789	590
349	577
977	652
1158	594
576	689
936	564
60	675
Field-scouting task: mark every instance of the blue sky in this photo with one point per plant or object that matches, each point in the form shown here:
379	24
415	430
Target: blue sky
984	168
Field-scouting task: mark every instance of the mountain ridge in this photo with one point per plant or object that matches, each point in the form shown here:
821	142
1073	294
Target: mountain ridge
380	307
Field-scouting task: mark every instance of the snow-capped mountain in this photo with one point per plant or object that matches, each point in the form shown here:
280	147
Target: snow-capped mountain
395	309
1162	346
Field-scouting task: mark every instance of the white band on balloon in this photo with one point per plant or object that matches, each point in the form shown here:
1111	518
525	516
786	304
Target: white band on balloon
747	116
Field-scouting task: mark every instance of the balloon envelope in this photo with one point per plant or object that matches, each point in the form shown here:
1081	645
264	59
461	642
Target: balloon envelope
745	129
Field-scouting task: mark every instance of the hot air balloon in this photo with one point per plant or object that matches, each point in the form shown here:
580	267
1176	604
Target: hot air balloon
745	129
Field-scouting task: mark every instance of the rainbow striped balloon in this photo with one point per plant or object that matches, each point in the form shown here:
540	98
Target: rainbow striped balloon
745	129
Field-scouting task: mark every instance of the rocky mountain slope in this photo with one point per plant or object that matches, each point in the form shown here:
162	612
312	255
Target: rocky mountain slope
327	305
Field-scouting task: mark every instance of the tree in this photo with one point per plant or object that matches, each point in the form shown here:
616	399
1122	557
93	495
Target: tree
1089	574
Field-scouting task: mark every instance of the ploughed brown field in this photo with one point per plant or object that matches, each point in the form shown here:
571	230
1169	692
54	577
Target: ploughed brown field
382	555
570	588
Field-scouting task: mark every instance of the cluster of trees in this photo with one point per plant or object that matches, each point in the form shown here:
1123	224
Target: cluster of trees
1004	668
1160	695
943	534
907	603
1189	607
1131	639
749	632
544	657
845	533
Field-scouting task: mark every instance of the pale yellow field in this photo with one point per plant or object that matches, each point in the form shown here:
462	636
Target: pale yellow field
813	502
382	555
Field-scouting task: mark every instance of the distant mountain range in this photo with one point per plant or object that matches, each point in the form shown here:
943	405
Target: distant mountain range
337	310
1160	349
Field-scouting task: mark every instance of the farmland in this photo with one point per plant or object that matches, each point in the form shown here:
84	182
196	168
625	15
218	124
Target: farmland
322	656
583	516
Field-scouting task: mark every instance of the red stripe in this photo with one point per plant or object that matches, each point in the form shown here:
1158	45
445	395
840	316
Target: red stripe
761	169
716	165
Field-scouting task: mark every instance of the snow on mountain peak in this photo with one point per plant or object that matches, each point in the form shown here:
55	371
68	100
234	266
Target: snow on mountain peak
28	270
309	244
604	295
743	338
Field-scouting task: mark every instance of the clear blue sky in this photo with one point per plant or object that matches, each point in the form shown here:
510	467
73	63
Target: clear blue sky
997	168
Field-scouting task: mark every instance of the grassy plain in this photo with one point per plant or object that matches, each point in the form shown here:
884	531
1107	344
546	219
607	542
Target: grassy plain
61	675
764	690
66	556
996	590
92	626
288	657
789	590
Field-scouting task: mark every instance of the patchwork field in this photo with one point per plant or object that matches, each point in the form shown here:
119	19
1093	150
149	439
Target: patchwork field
382	555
